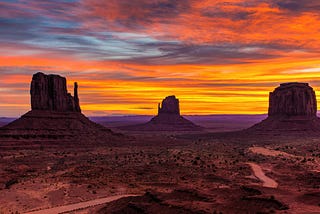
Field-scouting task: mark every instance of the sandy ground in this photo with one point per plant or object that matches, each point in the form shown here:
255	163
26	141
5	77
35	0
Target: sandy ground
314	165
203	173
270	152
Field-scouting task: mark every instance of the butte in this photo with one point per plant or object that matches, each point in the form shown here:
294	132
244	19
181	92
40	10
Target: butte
55	116
168	119
292	108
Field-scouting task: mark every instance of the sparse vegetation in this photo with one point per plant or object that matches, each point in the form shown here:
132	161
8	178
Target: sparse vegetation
216	168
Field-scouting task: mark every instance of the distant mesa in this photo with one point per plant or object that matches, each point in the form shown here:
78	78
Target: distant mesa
292	107
55	115
170	105
168	119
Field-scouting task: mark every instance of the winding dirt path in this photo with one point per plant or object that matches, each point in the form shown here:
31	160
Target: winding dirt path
78	206
258	172
271	152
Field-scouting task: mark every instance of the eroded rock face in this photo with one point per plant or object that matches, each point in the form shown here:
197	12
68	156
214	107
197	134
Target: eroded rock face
293	99
49	92
170	105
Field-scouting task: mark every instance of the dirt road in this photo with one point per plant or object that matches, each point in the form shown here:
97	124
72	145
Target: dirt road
258	172
81	205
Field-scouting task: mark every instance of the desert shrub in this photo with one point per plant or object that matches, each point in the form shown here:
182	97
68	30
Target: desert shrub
11	182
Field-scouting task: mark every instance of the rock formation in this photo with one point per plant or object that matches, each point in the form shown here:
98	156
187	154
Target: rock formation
292	107
76	98
55	115
293	99
168	119
170	105
49	92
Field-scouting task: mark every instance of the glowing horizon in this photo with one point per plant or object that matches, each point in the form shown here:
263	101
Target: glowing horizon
217	57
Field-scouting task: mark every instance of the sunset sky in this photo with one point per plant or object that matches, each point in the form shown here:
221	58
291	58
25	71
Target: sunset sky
217	57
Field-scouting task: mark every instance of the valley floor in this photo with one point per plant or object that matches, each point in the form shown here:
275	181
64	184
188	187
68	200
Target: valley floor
179	173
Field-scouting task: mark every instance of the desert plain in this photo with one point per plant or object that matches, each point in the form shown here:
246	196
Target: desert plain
165	172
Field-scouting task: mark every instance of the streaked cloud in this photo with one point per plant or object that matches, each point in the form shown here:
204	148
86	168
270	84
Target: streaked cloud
216	56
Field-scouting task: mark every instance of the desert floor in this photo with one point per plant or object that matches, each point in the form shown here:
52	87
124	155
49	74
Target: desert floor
164	173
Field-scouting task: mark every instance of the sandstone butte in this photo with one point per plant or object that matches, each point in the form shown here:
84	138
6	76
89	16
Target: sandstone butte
55	116
49	92
167	119
292	107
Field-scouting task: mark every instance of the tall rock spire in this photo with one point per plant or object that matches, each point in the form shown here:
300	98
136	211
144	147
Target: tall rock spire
76	98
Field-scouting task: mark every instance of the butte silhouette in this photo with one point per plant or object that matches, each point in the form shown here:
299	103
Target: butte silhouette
168	119
55	115
292	108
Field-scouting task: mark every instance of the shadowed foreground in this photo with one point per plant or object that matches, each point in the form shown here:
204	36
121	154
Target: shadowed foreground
187	173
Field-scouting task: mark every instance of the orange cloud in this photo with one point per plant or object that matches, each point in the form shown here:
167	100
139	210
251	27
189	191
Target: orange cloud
215	56
209	21
202	89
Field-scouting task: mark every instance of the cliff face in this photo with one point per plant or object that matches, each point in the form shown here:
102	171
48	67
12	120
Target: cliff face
49	92
293	99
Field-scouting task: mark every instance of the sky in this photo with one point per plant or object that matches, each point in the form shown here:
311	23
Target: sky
217	57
